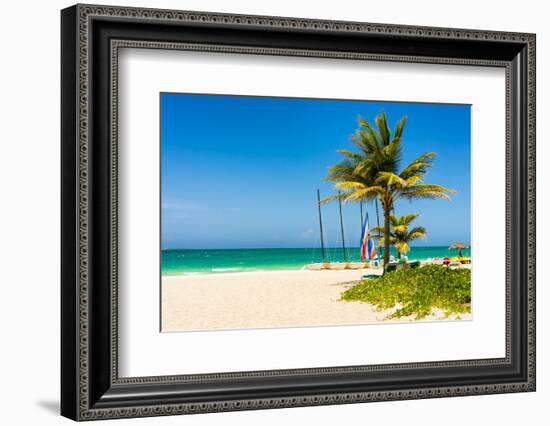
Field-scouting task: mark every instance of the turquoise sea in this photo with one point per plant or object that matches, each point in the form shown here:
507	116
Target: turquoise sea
178	262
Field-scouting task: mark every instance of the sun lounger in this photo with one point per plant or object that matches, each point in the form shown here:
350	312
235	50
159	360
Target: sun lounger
391	267
369	276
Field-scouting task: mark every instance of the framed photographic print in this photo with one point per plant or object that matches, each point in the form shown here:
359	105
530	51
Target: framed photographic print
265	212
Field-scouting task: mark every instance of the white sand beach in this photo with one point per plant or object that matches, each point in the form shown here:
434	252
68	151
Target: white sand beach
265	299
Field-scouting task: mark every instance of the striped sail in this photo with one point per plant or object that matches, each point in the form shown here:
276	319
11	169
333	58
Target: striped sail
367	247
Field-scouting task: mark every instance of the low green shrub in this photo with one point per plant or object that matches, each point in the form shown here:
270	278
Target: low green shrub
417	290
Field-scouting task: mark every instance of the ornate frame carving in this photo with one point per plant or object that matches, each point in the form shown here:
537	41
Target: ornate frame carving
111	396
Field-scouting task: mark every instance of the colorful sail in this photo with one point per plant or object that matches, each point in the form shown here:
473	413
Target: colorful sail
368	249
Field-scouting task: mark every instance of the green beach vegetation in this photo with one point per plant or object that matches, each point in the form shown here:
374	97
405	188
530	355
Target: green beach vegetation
417	291
375	173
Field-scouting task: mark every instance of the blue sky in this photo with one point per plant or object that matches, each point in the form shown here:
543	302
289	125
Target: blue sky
242	172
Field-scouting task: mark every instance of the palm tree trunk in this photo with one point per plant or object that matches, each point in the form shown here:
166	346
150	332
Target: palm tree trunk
386	235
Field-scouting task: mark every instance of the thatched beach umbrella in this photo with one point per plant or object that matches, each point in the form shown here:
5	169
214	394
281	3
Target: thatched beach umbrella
459	247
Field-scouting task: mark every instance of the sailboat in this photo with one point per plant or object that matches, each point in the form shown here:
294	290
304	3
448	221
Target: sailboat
367	247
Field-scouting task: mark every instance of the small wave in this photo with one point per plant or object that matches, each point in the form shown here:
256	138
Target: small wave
226	269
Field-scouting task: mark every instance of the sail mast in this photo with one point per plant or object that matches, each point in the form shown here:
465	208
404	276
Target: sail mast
377	217
321	225
342	228
378	221
361	213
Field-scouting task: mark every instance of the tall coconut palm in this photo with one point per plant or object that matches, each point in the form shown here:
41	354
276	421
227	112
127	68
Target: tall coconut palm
373	173
400	234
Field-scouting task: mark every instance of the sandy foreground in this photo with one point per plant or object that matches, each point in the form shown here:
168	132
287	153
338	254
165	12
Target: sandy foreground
266	299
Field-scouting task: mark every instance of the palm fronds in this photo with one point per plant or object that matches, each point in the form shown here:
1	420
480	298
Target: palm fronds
374	173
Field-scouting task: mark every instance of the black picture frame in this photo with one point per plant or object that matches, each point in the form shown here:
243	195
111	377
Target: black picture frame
90	386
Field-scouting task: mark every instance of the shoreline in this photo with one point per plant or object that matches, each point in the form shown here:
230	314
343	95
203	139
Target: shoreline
226	271
261	271
237	270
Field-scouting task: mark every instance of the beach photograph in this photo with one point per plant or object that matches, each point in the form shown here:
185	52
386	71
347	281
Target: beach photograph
299	212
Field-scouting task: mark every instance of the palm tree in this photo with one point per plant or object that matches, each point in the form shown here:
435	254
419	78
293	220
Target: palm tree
373	172
400	235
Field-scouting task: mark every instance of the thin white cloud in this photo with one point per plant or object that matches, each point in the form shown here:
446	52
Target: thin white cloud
307	234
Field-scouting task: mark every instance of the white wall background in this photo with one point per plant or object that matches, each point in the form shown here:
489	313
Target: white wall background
29	216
